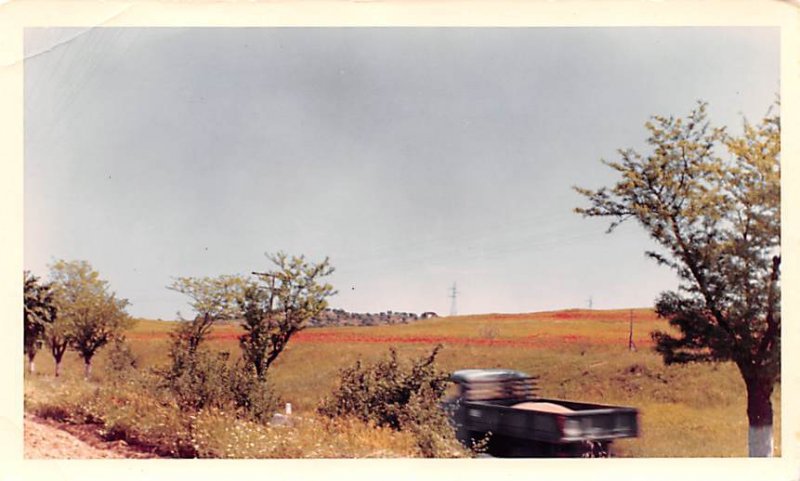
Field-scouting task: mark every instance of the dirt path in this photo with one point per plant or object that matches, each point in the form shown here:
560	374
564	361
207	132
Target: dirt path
46	439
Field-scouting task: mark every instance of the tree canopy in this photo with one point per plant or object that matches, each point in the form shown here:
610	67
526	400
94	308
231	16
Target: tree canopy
92	314
711	201
39	311
212	299
279	303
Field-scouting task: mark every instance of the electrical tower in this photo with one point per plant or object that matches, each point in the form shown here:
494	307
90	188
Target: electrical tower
453	294
589	301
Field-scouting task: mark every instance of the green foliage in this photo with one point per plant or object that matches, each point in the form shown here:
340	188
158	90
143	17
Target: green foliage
717	219
92	315
402	397
198	380
121	360
39	311
280	303
212	299
252	397
202	379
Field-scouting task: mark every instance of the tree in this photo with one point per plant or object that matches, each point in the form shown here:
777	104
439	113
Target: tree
93	316
39	312
718	221
192	369
212	299
280	303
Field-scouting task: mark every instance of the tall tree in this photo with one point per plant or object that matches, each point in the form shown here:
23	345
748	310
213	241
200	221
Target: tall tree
717	219
93	315
39	312
278	304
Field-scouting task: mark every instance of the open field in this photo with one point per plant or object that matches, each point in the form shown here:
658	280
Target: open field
692	410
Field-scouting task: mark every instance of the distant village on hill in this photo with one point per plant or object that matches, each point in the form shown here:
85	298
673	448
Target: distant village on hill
340	317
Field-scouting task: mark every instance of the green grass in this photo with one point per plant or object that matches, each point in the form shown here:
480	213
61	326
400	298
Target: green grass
685	410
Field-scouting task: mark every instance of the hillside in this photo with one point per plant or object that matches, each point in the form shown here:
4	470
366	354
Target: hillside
686	410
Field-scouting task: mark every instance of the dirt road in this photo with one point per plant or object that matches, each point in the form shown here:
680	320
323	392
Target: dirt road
50	440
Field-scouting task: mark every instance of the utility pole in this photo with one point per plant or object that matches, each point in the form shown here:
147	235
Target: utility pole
453	294
631	344
590	302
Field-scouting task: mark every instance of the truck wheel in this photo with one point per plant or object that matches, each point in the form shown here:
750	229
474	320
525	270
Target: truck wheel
596	449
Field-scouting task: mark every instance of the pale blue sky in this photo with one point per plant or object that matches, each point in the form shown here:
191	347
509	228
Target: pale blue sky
414	158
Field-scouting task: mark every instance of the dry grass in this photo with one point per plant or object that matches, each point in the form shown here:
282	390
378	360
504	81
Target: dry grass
693	410
131	414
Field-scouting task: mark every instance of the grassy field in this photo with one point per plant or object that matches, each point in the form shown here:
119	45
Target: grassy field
692	410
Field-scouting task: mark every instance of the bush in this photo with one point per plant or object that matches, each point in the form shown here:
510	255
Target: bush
250	395
203	379
121	360
401	397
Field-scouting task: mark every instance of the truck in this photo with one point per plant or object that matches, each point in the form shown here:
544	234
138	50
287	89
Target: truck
498	410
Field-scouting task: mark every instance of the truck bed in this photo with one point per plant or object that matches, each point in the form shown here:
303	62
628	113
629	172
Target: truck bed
585	422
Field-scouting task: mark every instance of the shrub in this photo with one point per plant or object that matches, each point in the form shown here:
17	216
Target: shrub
203	379
251	395
401	397
121	360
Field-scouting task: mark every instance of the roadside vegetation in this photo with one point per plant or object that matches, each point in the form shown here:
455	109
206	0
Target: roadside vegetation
198	400
686	410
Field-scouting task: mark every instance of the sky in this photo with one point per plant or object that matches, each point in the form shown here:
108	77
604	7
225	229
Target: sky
414	158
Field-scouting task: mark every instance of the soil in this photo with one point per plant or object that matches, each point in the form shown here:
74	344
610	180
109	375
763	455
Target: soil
47	439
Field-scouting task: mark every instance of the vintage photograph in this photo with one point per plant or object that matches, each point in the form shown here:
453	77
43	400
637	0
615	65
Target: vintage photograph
402	242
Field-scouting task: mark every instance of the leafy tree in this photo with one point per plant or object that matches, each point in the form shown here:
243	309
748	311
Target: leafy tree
212	299
280	303
200	378
93	316
39	312
717	219
194	373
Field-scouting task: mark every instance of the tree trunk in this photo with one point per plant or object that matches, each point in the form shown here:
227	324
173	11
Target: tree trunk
260	369
31	367
759	415
87	368
58	367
